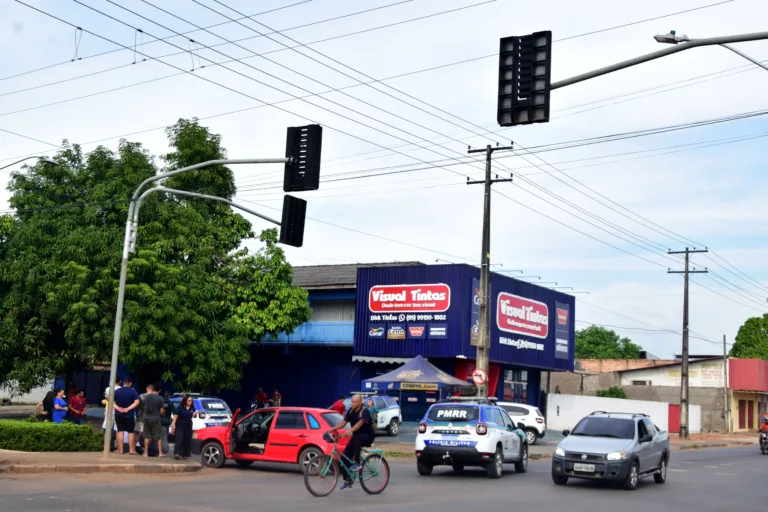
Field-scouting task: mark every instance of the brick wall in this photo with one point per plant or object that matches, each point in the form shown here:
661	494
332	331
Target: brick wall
710	400
617	365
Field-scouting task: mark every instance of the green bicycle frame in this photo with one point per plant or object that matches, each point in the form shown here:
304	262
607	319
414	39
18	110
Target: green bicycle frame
339	456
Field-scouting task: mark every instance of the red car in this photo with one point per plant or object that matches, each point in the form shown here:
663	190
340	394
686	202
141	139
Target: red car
293	435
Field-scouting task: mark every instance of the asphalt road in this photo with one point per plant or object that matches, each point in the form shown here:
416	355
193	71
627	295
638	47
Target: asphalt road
706	480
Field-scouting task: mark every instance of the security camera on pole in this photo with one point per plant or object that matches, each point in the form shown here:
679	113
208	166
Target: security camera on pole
302	173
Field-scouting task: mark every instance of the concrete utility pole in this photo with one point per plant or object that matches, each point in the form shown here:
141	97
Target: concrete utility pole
726	402
483	344
684	363
129	246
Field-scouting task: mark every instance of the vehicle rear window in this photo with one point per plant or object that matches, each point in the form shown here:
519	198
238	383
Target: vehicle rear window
332	418
538	413
215	405
453	413
605	427
515	411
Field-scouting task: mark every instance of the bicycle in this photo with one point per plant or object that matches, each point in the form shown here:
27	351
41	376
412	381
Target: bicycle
322	474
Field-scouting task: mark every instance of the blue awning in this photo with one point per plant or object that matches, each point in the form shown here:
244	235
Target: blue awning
418	374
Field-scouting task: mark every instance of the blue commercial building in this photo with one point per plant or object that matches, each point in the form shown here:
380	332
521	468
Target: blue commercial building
368	319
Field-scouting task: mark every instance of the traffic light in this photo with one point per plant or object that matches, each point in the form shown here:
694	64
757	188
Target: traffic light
292	224
525	65
302	171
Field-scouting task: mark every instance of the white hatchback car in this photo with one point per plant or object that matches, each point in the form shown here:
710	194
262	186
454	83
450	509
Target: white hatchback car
474	433
528	415
389	414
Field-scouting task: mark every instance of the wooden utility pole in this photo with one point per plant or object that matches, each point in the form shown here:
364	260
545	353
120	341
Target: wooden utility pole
684	363
483	342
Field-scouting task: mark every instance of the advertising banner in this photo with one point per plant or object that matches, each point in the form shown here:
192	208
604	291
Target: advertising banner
562	330
474	323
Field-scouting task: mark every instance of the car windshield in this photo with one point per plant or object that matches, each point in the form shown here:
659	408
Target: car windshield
453	413
214	405
332	418
605	427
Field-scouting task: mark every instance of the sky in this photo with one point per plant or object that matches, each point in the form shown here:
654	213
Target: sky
406	87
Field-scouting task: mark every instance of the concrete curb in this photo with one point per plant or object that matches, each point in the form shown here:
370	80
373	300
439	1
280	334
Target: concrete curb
104	468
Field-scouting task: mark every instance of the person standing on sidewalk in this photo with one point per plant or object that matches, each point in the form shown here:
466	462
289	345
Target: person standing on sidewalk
182	428
126	401
153	428
77	407
45	407
277	398
59	406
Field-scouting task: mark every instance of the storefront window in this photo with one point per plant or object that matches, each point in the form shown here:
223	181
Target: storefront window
516	386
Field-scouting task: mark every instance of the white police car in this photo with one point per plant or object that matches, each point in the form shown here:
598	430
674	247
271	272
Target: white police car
473	432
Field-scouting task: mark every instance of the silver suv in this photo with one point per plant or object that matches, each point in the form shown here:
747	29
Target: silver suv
619	447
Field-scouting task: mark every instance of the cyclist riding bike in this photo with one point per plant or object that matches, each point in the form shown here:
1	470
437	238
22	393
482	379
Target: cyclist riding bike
362	434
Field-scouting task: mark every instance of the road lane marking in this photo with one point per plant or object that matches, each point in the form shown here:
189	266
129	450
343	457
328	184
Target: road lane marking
727	474
678	470
713	467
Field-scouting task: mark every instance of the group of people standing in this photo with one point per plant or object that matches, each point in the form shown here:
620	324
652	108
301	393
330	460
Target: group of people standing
54	407
149	415
261	400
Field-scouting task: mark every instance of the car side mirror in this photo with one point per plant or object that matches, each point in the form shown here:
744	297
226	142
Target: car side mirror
521	426
646	439
566	433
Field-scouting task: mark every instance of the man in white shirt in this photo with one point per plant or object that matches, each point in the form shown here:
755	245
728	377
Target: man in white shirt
118	382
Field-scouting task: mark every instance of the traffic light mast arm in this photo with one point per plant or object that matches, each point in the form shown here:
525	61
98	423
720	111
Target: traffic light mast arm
691	43
143	196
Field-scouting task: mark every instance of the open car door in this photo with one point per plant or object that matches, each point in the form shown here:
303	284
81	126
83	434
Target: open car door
230	438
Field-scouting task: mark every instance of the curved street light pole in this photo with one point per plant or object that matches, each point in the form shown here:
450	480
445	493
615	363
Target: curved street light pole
129	245
45	159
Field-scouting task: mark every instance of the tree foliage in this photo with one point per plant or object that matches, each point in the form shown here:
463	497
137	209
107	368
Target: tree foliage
595	342
612	392
752	339
195	297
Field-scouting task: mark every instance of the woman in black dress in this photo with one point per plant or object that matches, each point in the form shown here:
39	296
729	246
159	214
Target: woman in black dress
182	428
45	408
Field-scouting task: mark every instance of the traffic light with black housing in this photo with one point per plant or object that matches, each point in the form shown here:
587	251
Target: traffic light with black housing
302	148
292	223
525	64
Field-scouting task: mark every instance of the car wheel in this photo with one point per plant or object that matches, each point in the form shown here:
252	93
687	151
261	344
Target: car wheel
633	477
458	468
212	455
496	468
532	436
307	456
521	466
661	476
393	428
559	479
244	463
423	468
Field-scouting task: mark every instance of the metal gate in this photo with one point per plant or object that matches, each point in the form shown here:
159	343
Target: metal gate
674	419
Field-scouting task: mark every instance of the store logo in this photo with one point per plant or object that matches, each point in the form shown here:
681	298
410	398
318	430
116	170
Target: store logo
396	332
562	316
438	332
416	332
519	315
376	332
411	298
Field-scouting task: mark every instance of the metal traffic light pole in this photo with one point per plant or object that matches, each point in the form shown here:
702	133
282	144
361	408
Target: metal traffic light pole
302	172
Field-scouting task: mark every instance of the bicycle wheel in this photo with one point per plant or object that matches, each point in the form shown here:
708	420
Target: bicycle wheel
374	474
321	476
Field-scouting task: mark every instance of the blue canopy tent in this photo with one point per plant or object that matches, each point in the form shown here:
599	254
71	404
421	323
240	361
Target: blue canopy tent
416	378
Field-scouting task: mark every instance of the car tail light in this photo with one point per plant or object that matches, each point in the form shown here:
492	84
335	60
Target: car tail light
202	415
422	427
539	420
482	429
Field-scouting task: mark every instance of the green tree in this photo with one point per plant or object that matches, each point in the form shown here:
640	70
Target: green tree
612	392
752	339
195	298
595	342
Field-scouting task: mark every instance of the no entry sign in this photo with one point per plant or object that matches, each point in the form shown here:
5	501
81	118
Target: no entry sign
479	377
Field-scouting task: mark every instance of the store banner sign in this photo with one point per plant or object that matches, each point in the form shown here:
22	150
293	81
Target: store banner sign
518	315
562	330
474	324
409	298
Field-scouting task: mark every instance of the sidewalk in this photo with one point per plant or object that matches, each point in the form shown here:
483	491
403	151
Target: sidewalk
90	462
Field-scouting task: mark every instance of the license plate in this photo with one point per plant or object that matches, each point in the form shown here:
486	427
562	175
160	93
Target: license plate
585	468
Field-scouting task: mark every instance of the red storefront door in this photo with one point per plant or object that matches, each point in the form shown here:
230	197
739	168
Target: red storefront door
742	413
674	419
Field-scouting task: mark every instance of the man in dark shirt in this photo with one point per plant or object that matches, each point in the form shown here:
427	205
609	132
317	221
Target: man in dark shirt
126	401
362	434
153	428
